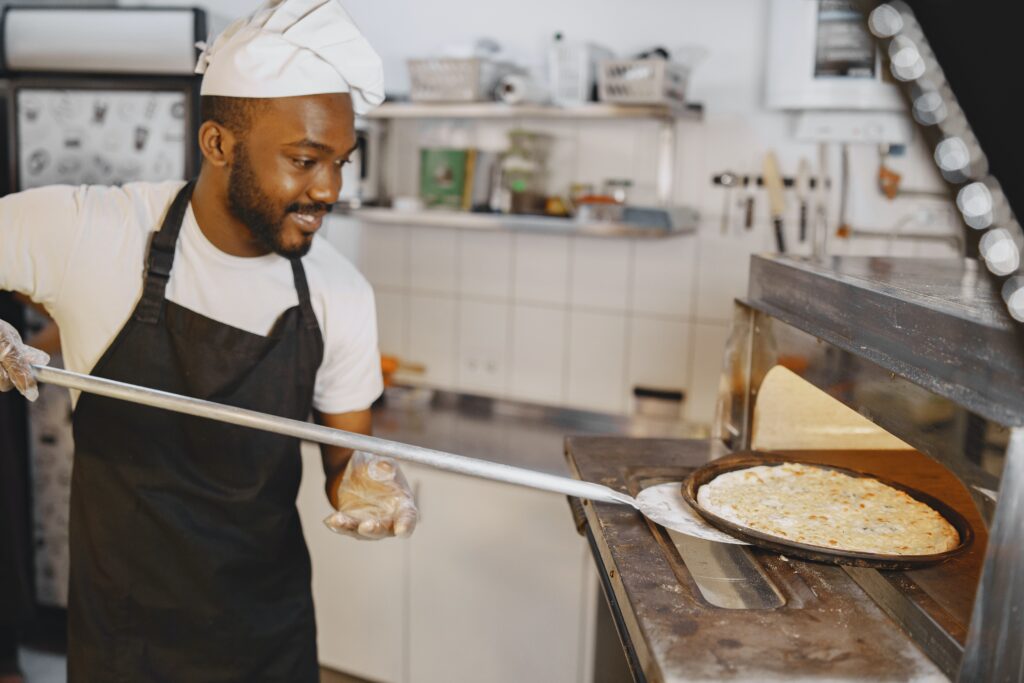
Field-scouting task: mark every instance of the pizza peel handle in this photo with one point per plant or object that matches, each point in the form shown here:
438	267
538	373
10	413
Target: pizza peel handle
331	437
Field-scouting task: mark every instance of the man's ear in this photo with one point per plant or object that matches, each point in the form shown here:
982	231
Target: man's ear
217	143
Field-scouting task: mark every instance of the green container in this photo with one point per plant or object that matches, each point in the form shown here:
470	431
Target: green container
443	177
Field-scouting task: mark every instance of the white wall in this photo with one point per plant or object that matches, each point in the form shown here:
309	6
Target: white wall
577	321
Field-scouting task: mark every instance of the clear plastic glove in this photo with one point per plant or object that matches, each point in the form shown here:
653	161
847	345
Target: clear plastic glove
15	359
374	500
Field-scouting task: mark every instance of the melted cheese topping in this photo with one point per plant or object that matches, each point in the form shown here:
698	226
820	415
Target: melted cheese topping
823	507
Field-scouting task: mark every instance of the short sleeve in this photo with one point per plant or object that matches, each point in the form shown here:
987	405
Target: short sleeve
349	378
39	230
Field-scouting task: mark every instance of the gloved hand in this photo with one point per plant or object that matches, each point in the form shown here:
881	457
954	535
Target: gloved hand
15	359
373	500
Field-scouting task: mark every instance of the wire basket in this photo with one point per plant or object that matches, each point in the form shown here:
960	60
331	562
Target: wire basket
451	79
642	81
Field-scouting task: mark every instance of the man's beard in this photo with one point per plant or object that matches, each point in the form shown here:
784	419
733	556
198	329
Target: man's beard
256	212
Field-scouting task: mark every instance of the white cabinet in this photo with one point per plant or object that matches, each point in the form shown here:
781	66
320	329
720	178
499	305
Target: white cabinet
494	586
359	587
500	587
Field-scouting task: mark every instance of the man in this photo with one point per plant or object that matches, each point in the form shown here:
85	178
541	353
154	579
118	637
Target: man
187	558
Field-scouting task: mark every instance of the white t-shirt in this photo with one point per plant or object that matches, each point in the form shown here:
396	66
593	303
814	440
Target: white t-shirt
80	252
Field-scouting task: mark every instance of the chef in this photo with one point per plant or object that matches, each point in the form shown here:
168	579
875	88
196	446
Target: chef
188	561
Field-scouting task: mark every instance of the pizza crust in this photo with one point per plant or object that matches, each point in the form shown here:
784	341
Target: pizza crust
822	507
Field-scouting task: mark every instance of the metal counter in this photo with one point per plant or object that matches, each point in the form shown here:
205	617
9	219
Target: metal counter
826	629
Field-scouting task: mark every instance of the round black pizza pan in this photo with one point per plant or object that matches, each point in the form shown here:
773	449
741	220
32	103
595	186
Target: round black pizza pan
816	553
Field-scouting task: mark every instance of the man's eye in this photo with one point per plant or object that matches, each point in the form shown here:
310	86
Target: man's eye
342	162
304	163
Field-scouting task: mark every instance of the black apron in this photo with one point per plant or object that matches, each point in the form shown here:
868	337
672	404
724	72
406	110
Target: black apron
188	562
16	579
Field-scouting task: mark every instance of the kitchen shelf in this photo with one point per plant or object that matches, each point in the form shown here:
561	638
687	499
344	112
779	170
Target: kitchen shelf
497	110
650	223
642	222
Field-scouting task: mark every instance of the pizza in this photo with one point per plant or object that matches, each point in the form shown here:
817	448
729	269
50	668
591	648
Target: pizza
822	507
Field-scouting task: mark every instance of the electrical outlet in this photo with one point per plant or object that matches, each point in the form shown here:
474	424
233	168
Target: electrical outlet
483	344
482	372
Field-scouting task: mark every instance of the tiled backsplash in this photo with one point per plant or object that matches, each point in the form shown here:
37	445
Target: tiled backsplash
559	320
544	318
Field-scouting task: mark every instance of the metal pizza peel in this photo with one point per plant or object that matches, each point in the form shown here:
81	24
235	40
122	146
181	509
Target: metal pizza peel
662	503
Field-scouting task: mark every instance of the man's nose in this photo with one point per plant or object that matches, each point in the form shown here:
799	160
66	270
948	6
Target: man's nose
326	186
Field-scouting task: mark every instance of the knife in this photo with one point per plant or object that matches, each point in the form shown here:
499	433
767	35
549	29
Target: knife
803	194
748	204
776	198
728	180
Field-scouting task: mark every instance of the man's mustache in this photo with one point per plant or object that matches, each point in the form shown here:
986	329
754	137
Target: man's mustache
314	208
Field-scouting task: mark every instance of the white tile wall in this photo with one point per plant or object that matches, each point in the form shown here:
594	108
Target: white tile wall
708	353
605	151
433	337
541	269
645	164
345	234
600	273
659	354
693	146
538	354
663	276
722	273
597	360
485	264
384	256
433	260
483	347
392	322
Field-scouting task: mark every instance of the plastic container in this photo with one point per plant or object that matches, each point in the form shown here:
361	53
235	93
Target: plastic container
642	81
572	70
455	79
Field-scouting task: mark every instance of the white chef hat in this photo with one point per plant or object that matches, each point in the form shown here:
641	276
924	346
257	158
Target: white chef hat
293	47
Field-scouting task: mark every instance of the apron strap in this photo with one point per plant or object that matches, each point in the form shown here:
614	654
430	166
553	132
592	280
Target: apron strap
302	288
161	257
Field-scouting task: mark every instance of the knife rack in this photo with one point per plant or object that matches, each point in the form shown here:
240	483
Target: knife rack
758	180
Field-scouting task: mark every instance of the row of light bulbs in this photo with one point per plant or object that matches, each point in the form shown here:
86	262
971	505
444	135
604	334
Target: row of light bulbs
958	155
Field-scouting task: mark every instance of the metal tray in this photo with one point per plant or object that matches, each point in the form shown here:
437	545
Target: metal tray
816	553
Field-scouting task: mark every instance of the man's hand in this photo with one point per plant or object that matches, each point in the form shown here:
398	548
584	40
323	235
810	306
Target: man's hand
373	500
15	359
